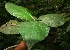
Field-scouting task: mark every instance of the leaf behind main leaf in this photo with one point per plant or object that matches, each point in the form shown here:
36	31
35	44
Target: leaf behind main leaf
10	27
53	20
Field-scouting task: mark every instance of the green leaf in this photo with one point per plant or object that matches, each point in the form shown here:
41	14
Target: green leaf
33	32
18	11
53	20
68	28
10	27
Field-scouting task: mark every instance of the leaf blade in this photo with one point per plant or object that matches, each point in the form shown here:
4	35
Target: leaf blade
18	11
33	32
53	20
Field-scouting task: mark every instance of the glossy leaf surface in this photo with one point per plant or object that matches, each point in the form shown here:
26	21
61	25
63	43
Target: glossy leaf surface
33	32
18	11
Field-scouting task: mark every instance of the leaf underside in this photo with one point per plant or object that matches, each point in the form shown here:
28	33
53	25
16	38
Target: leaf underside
10	27
53	20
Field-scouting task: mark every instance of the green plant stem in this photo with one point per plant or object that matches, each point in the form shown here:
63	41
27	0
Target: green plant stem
29	48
